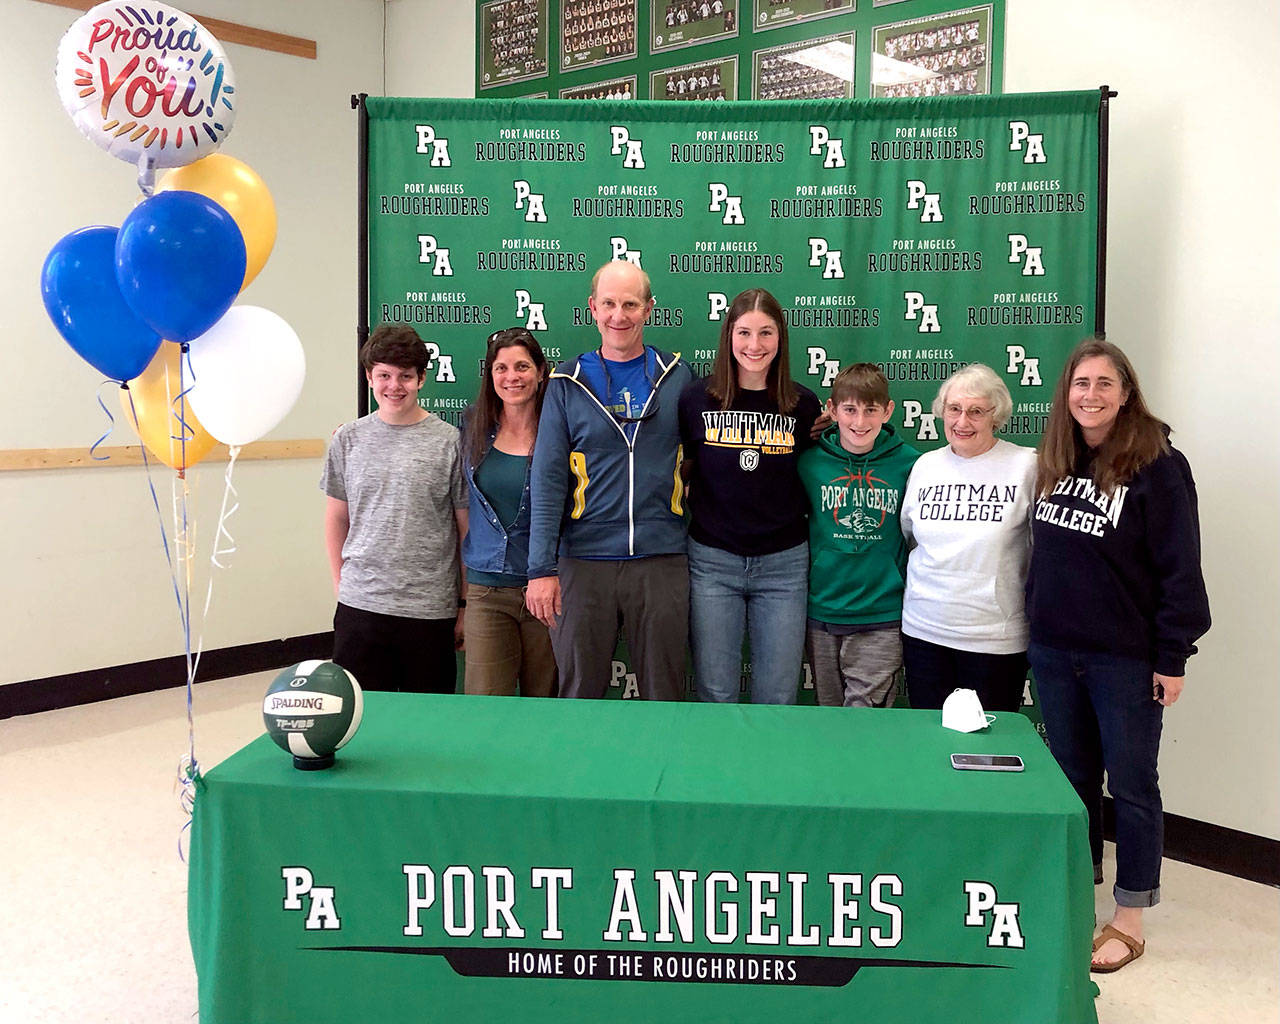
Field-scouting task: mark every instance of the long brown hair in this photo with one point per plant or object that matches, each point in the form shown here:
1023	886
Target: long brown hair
1137	438
724	373
485	412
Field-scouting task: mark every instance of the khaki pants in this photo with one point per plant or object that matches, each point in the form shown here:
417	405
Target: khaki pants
507	648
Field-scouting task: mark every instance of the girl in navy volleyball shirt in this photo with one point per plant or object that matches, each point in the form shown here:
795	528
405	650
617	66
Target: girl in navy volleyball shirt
743	429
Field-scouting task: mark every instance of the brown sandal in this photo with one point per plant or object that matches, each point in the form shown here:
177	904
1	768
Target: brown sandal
1136	948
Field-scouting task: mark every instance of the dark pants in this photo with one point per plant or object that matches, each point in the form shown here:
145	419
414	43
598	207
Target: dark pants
392	652
934	671
1099	715
649	598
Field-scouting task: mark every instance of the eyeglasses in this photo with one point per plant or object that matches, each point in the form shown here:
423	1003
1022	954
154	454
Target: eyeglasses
973	412
511	334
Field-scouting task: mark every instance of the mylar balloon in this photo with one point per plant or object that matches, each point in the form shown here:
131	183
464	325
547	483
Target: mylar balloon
81	294
237	188
248	372
180	263
157	424
146	82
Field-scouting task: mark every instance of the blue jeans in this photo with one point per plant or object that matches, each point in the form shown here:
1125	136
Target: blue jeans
765	596
1099	715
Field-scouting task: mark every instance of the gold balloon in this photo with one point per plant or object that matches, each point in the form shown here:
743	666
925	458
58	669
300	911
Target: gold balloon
157	423
237	188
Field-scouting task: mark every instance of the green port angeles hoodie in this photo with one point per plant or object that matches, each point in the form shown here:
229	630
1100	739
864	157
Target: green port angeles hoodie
857	556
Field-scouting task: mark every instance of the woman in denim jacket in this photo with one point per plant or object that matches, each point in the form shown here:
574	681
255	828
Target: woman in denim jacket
507	649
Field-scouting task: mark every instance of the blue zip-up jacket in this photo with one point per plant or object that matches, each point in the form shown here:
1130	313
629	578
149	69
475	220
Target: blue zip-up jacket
488	545
595	494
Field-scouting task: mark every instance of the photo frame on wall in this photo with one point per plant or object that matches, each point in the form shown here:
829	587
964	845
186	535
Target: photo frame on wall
612	89
941	55
678	23
594	32
778	13
908	48
513	42
811	69
715	79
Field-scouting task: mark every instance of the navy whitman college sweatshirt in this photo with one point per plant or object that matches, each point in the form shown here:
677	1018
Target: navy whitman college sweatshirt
857	556
1120	573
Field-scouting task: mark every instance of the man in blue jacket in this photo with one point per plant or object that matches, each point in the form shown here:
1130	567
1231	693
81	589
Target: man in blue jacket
607	535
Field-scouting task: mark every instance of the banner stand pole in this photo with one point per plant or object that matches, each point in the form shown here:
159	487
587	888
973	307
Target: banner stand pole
1106	94
362	245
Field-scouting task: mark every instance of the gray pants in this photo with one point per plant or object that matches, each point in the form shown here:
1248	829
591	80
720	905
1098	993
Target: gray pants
857	670
649	598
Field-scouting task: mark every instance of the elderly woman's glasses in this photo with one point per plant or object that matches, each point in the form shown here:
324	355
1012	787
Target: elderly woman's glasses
972	412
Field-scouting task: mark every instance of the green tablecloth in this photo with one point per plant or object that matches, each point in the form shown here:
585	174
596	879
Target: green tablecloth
687	862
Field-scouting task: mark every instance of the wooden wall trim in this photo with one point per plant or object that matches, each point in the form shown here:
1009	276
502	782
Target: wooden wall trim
228	32
131	455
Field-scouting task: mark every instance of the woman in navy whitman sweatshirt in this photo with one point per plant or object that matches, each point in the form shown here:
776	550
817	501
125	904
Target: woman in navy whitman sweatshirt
1116	602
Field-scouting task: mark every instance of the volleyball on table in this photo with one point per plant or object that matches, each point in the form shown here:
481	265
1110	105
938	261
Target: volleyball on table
311	710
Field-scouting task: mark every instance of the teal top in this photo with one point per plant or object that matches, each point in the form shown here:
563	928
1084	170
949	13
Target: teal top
500	478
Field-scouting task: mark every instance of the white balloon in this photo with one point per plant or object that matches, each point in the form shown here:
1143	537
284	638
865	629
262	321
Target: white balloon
248	370
146	82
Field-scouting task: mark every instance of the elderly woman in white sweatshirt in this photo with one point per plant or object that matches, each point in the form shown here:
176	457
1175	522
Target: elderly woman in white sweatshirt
966	515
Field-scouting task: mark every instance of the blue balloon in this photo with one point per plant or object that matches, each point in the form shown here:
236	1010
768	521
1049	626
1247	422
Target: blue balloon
81	294
180	262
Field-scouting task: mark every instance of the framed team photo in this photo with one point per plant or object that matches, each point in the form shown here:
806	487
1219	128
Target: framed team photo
513	42
812	69
677	23
776	13
704	80
941	55
613	89
597	32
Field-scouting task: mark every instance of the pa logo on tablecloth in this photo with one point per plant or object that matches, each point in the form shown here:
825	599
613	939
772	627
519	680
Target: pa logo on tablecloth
986	911
322	910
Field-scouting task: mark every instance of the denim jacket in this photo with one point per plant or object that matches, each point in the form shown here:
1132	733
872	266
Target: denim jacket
488	545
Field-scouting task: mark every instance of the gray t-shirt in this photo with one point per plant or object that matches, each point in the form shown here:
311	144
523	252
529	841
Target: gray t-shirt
401	484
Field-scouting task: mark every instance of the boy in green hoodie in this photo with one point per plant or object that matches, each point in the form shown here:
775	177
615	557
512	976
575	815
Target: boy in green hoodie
854	478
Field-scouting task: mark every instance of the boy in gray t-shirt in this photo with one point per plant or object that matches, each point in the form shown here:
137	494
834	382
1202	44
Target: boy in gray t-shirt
394	518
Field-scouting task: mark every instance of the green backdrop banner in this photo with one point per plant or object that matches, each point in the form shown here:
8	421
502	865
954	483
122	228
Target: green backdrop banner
917	234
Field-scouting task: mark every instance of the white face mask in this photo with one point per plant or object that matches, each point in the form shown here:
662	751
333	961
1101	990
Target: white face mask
962	711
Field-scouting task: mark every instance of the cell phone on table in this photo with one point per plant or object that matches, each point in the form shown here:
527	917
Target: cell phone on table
986	762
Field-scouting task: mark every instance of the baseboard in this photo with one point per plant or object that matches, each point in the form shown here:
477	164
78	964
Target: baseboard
53	692
1255	858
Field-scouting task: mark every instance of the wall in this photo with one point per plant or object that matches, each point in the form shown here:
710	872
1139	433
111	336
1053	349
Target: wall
448	67
85	583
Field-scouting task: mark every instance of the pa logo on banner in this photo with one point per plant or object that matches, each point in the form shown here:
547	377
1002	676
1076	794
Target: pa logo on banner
619	250
536	319
722	200
819	140
435	256
623	145
1022	251
1021	140
533	203
438	147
